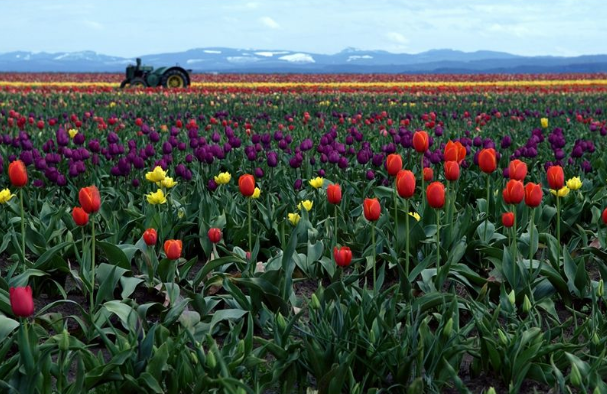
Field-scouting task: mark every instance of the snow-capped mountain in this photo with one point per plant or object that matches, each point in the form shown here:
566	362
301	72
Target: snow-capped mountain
225	60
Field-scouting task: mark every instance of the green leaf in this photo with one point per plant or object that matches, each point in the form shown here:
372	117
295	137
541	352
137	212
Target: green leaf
7	325
114	255
226	314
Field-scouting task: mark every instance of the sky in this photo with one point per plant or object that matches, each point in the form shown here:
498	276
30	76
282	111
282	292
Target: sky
129	28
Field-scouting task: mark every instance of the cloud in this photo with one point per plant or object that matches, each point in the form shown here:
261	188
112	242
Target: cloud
269	22
397	38
92	25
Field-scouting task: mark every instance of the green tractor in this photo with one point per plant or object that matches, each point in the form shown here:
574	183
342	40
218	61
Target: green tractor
147	76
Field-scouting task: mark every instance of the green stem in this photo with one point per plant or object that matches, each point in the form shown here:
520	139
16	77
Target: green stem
22	229
396	220
250	234
515	250
335	240
437	242
487	213
407	239
531	242
92	297
374	258
558	228
421	169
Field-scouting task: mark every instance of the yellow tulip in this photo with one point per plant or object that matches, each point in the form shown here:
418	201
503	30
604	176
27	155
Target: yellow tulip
574	183
156	198
256	193
157	175
562	191
294	218
73	133
544	122
223	178
167	182
415	215
5	196
307	205
317	182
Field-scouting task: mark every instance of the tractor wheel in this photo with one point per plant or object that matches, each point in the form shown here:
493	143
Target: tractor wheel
174	79
124	84
138	83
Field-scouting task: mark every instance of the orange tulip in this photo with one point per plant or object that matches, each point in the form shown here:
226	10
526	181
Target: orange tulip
405	183
451	171
81	218
394	163
455	151
487	160
17	173
172	248
517	170
556	177
514	192
533	194
334	194
372	209
435	193
246	184
90	200
421	141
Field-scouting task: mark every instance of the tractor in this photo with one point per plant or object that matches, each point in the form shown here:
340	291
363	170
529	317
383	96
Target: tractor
147	76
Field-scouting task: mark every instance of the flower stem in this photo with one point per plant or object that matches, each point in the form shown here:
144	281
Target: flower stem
250	234
437	242
558	228
335	240
407	240
92	296
374	258
396	220
22	229
421	170
487	213
531	242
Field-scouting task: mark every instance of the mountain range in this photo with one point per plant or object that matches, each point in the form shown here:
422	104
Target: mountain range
350	60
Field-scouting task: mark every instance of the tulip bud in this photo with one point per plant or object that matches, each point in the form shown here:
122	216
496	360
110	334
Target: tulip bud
448	327
595	339
491	391
512	297
601	289
240	348
372	337
575	377
280	322
64	341
211	361
526	304
314	302
193	358
503	337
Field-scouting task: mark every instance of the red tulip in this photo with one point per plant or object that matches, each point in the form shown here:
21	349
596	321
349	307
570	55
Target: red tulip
604	216
150	236
90	200
514	192
405	183
372	209
508	219
556	177
454	151
81	218
17	173
214	235
343	256
435	193
533	194
487	160
428	174
451	171
334	194
517	170
421	141
246	184
22	302
394	163
172	248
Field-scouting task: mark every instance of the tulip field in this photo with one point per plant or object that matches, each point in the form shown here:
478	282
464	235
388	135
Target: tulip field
304	234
